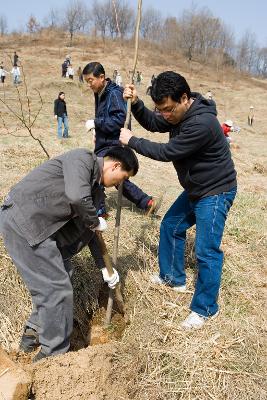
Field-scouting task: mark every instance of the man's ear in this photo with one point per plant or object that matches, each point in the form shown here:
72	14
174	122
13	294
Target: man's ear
117	164
184	98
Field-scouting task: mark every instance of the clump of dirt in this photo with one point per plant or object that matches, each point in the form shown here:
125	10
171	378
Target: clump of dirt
86	374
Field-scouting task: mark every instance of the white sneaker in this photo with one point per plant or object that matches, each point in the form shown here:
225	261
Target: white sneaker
196	321
156	279
179	289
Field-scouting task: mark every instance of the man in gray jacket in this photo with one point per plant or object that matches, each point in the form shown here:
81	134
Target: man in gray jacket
46	218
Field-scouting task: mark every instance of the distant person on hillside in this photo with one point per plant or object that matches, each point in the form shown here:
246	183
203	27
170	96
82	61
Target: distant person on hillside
114	75
47	218
118	79
227	127
202	159
64	68
138	78
70	72
16	74
60	112
251	116
150	83
80	74
15	59
68	60
3	73
110	114
209	95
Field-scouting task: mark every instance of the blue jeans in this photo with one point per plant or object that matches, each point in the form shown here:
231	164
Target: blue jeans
62	120
209	215
15	79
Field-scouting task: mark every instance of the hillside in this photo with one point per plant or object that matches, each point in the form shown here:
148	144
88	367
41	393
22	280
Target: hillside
151	358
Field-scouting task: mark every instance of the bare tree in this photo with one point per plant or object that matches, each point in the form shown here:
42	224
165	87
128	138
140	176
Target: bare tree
261	62
33	25
247	49
3	25
24	113
189	31
150	24
76	17
100	17
121	18
52	19
171	34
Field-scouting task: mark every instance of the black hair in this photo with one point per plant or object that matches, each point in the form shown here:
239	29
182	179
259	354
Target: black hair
94	68
60	93
169	84
126	156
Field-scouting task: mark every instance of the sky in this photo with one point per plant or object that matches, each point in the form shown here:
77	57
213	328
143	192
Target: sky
240	15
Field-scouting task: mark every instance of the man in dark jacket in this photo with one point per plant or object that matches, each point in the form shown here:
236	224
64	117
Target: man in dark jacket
48	217
202	159
110	115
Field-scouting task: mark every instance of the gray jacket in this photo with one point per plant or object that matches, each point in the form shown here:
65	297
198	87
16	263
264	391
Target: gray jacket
60	197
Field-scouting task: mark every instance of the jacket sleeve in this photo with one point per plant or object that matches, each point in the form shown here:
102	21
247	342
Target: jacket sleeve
189	141
55	107
116	114
77	177
148	119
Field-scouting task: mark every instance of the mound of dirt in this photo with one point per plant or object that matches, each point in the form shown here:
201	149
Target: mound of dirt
86	374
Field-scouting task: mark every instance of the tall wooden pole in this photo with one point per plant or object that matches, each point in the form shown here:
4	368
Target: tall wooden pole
119	201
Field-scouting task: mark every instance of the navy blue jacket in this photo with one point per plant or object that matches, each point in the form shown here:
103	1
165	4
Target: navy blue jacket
197	147
110	115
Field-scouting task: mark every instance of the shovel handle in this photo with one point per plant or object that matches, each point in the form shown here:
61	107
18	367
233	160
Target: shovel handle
112	292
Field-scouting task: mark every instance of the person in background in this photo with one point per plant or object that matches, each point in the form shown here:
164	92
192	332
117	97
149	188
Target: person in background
251	116
15	59
227	127
16	74
64	68
3	73
70	72
60	112
110	115
209	95
118	79
80	74
114	75
138	78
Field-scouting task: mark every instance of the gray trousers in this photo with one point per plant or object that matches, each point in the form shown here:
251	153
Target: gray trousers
46	270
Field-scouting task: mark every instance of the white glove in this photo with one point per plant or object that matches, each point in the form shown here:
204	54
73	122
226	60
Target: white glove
111	280
90	124
102	226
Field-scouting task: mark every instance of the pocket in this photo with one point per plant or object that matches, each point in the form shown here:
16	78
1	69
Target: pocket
229	199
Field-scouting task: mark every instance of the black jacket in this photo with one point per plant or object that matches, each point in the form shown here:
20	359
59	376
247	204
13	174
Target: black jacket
61	195
110	114
60	107
197	147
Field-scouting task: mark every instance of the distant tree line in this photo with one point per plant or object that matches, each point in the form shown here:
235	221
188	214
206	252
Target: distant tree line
197	33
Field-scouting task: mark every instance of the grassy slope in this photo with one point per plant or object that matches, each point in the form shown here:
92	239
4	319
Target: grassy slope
155	359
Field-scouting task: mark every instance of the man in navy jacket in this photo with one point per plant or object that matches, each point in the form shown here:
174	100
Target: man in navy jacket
202	159
110	115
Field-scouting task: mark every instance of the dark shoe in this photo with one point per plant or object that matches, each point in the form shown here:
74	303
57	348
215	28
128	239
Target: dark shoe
153	206
39	356
29	340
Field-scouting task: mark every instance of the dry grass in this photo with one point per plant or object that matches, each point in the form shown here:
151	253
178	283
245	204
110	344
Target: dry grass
156	360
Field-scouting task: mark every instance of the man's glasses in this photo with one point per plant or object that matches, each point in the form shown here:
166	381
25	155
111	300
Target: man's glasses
167	112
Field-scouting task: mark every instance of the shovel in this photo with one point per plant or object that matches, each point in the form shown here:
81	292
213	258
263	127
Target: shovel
112	292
